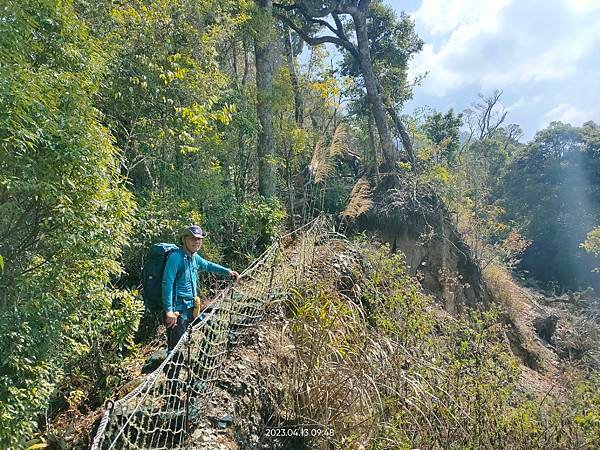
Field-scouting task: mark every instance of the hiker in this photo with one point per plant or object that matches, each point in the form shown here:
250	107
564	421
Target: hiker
179	283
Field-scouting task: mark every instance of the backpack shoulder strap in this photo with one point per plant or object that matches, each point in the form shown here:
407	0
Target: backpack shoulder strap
180	269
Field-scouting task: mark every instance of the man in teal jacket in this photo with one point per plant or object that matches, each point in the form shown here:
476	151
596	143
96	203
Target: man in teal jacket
179	284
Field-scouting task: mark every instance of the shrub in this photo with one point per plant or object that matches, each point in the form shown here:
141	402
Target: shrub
250	227
64	213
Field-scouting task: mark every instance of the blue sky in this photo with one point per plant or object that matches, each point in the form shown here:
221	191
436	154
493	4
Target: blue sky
543	54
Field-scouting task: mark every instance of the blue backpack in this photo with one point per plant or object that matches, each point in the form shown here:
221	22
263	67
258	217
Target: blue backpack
152	274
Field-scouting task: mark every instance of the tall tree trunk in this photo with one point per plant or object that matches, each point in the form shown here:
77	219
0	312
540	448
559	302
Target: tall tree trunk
373	146
246	63
406	142
360	23
298	101
264	53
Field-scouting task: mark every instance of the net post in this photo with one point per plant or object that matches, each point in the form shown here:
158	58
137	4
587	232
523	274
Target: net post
272	275
229	311
109	405
232	291
231	302
188	385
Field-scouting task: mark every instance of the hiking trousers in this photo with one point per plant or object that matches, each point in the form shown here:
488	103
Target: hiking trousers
173	336
175	333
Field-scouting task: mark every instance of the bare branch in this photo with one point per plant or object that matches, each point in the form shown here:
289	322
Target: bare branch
339	26
318	40
489	120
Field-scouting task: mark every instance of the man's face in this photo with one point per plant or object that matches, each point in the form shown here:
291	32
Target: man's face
193	243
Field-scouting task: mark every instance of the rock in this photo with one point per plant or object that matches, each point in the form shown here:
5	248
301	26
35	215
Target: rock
545	327
154	361
246	401
225	421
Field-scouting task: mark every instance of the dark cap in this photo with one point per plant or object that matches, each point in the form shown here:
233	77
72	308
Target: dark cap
194	230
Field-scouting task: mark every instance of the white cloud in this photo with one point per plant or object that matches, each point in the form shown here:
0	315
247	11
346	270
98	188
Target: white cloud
567	114
544	55
556	63
524	101
497	44
583	6
444	16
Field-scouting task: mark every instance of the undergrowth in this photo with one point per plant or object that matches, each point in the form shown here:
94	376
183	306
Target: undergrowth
385	368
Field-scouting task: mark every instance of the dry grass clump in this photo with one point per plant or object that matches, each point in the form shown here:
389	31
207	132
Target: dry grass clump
360	200
575	337
321	165
521	310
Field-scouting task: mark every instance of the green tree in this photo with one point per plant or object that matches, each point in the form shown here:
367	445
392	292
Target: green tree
163	97
64	212
556	199
442	130
392	43
468	174
265	66
179	100
309	17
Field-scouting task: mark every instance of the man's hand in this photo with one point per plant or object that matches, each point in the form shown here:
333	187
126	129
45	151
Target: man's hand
233	274
171	319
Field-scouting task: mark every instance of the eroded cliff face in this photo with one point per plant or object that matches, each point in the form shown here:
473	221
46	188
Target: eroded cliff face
440	260
418	225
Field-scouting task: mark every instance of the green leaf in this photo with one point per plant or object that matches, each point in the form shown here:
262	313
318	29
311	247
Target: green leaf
40	445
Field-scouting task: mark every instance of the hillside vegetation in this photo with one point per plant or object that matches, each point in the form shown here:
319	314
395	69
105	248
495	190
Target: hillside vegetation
384	365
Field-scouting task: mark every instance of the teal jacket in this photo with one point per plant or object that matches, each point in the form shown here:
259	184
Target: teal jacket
180	279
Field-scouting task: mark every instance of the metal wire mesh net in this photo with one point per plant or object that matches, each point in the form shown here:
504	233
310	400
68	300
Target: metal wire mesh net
162	410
